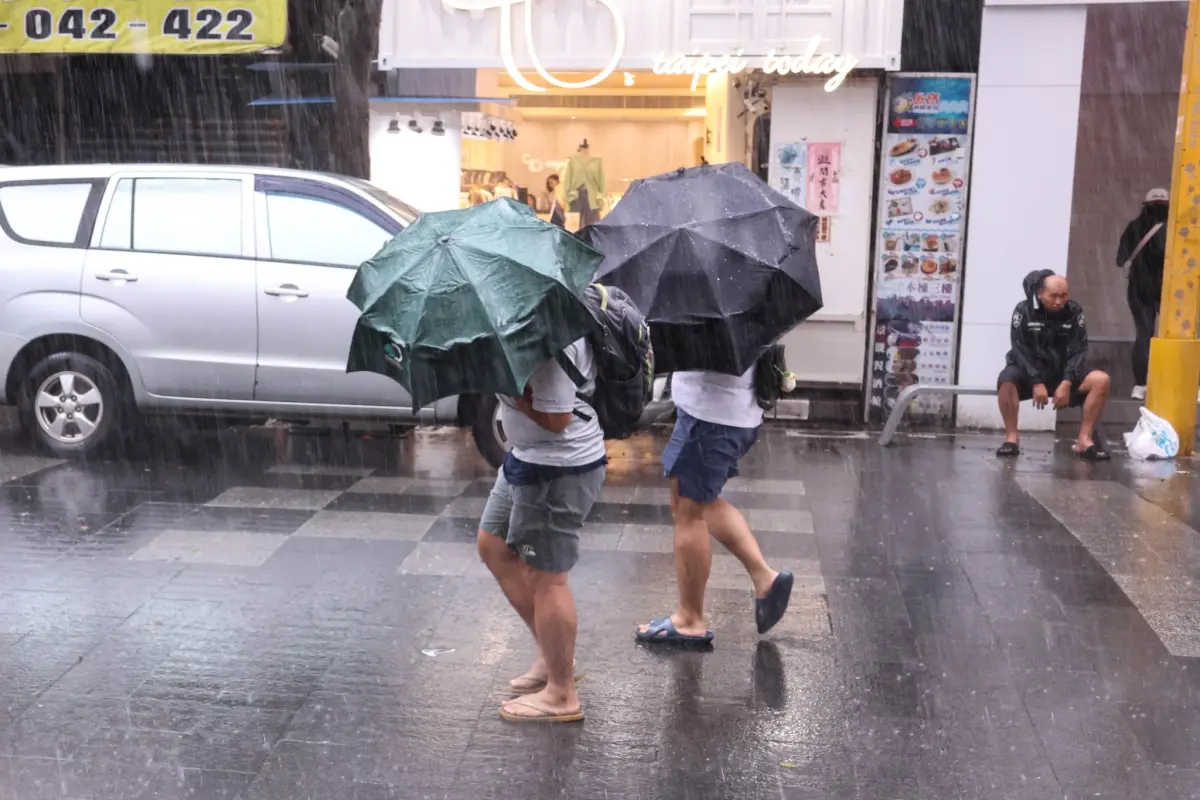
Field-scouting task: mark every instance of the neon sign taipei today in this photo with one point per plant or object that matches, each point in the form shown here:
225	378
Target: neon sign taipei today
696	65
506	42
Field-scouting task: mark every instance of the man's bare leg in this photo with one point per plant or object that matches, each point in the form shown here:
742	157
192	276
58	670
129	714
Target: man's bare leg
729	527
693	563
1010	411
514	578
555	625
1096	386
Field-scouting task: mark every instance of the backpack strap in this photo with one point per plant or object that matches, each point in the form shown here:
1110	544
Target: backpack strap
568	366
603	295
1142	245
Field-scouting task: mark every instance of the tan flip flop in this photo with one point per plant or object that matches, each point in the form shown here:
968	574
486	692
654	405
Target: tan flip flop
525	685
543	715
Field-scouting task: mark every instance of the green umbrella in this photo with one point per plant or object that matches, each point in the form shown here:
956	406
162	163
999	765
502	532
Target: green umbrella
471	301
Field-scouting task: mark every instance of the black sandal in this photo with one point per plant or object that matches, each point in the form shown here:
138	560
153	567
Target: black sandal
1094	453
1008	450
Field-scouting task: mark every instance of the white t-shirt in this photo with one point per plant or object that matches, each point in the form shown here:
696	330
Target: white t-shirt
720	399
582	443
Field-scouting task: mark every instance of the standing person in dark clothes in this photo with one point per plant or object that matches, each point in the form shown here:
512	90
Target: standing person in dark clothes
1048	364
1141	253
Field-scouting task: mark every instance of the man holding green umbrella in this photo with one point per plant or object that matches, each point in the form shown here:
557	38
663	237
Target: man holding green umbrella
486	301
529	534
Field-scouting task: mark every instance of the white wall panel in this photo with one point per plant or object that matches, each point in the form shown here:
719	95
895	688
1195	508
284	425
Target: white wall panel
1022	182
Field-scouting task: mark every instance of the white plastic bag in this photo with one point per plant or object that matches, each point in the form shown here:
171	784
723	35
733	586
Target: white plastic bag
1152	439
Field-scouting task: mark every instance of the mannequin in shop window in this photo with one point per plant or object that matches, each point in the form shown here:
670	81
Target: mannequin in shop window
584	179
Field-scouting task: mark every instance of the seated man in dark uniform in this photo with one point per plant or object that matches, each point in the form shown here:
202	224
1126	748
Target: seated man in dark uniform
1047	364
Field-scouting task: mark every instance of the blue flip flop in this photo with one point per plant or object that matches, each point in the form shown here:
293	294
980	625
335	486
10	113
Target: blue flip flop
663	631
770	609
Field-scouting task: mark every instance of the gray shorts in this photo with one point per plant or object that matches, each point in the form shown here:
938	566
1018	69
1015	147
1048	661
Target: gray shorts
541	522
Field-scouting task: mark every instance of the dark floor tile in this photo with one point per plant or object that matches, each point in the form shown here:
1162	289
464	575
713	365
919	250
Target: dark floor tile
391	503
153	518
67	498
630	514
298	480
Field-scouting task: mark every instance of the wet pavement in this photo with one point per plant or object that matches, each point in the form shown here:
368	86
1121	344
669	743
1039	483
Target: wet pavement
266	615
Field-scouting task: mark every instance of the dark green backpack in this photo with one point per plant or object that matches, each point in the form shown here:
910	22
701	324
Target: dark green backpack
771	378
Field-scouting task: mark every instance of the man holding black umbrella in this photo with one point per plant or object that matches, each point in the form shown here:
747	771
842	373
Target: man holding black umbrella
722	266
717	420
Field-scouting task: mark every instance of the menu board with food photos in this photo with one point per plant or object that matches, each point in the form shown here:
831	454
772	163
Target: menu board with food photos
919	240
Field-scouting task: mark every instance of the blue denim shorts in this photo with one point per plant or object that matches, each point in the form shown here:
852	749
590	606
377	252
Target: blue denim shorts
704	455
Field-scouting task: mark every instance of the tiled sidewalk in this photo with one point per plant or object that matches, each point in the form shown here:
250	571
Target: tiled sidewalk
298	617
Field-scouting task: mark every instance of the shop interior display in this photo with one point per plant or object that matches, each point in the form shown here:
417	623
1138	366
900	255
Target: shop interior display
584	179
483	186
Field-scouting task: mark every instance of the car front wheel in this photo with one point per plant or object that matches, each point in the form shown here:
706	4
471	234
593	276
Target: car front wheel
71	404
489	431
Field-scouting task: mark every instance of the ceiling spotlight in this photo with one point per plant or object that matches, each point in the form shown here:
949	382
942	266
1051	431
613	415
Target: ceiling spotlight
415	126
438	129
394	126
630	79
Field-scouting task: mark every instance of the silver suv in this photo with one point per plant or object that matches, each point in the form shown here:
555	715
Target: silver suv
215	291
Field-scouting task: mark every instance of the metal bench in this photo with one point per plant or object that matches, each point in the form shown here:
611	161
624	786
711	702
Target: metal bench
913	392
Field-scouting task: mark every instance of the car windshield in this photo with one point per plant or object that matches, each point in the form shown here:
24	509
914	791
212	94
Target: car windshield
402	209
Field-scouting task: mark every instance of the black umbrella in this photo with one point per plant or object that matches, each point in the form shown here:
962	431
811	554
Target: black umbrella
721	264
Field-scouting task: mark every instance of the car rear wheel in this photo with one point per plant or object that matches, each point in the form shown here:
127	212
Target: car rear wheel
72	405
488	431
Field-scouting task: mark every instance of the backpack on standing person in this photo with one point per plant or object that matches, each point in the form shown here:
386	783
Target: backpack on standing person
624	362
772	379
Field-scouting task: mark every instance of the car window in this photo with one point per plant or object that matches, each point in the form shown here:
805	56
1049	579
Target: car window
198	216
407	214
48	213
118	225
316	231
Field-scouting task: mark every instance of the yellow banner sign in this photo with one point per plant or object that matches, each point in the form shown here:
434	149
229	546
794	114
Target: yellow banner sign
142	26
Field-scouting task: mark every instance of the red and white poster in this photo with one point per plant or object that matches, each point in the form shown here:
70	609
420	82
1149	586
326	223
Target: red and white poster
824	177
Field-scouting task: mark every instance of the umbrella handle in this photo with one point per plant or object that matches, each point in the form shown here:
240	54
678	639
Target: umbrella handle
392	353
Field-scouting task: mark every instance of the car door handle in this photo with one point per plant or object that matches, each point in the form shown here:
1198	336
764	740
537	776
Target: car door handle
117	275
287	290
